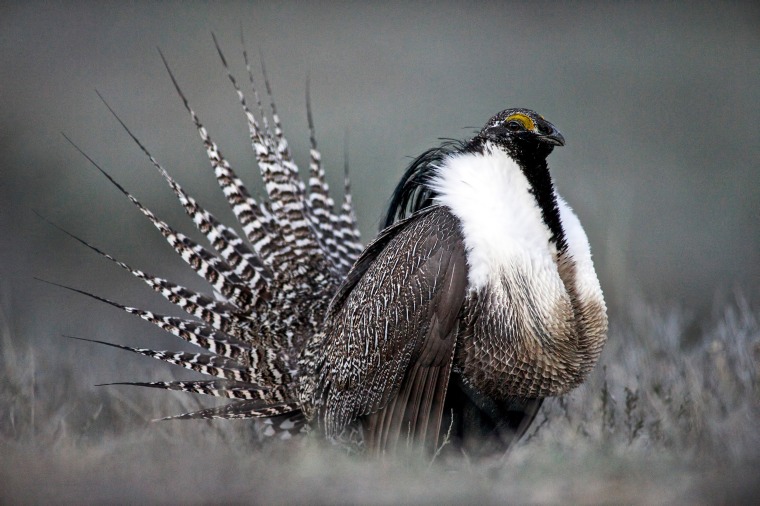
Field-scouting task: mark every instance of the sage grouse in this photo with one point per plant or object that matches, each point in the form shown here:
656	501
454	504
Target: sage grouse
477	299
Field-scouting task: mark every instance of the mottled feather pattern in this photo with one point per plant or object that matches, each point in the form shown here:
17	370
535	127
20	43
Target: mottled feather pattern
373	334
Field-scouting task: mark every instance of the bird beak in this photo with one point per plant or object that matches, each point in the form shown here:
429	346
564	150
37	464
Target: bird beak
548	133
554	137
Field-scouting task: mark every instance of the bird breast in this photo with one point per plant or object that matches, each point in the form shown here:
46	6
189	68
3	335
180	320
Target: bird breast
501	221
534	322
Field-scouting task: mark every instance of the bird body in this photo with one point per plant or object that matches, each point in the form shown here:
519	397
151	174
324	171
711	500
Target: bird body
489	283
477	299
514	276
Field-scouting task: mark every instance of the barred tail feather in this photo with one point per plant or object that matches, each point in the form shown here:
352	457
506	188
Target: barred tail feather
273	283
220	315
255	223
241	409
283	150
213	269
224	239
210	365
348	217
286	191
215	388
324	219
274	246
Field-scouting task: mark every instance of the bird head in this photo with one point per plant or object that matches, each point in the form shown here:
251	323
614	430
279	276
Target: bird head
522	133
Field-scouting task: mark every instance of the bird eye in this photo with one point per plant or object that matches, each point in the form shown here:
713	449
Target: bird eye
514	126
519	122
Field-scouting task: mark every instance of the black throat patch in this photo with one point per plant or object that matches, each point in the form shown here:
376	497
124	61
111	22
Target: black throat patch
542	188
531	158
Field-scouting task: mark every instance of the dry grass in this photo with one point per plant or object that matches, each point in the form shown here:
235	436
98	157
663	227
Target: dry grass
670	416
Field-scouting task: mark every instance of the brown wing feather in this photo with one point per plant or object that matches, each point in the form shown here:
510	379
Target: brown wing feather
415	414
390	340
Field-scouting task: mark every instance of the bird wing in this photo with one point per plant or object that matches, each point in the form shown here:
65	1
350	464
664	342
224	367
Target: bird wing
390	333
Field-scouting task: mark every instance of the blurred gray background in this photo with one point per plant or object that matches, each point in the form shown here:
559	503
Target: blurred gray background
659	103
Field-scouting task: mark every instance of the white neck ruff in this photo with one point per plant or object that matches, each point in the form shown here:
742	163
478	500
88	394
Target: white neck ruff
501	221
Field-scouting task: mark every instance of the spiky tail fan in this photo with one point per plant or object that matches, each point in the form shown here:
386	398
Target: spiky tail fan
271	286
